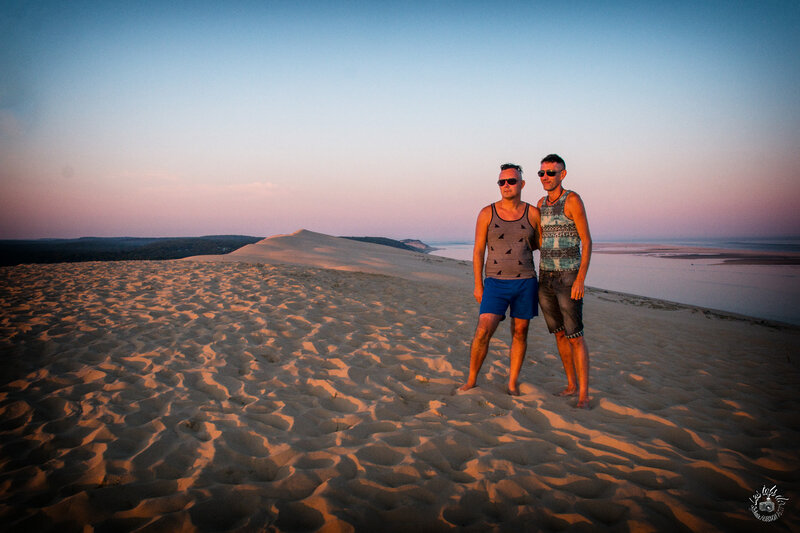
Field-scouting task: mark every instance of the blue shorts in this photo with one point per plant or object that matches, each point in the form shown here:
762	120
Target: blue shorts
521	295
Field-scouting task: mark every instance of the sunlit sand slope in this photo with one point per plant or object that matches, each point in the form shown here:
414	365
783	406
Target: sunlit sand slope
323	251
179	396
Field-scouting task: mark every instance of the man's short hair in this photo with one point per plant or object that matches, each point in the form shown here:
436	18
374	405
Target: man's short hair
506	166
554	158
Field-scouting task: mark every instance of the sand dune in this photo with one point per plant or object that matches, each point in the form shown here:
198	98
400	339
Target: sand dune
267	393
336	253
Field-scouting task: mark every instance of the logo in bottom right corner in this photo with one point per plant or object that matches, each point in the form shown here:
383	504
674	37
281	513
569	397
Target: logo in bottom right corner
767	505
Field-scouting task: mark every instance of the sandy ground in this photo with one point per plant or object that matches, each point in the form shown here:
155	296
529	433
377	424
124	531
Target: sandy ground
261	395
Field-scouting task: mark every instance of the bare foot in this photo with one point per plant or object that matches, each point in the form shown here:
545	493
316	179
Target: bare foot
583	404
466	387
567	392
513	391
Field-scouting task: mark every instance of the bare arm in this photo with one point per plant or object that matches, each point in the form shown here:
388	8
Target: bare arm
575	211
479	250
538	208
535	218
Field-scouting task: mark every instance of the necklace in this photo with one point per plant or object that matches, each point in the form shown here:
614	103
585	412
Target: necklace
551	202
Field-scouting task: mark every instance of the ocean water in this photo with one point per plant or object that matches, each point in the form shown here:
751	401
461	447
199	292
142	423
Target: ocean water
762	291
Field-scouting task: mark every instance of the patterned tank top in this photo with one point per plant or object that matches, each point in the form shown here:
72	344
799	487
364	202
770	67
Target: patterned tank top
511	244
561	244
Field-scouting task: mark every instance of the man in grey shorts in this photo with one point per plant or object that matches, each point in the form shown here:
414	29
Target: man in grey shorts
565	253
510	230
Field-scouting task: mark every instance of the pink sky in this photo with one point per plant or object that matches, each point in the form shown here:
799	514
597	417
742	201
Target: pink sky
182	123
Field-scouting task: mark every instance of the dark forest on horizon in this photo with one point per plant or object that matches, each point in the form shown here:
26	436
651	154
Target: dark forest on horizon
16	252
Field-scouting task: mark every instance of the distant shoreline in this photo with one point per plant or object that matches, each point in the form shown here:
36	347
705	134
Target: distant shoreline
754	283
652	302
14	252
725	256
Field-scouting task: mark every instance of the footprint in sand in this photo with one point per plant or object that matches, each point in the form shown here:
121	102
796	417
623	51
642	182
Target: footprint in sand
197	428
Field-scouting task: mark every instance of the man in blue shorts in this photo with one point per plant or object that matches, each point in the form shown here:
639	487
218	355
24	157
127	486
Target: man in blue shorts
565	253
509	229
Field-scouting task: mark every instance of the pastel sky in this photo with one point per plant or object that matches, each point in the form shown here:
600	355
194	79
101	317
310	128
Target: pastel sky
380	118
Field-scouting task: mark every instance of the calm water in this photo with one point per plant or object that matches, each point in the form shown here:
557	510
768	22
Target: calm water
758	245
762	291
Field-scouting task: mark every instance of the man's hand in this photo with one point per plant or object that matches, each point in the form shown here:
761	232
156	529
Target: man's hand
577	289
478	293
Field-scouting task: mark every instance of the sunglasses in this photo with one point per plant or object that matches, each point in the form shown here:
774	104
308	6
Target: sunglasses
550	173
511	181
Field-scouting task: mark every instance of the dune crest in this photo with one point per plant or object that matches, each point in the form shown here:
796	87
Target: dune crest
309	248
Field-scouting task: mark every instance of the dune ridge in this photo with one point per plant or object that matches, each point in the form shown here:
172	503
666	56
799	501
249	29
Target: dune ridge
253	394
309	248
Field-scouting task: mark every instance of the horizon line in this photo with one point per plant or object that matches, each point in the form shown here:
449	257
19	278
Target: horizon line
603	239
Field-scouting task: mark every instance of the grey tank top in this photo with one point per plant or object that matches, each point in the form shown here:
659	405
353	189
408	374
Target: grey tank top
511	244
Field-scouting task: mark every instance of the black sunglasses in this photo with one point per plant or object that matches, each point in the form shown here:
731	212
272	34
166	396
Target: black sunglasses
550	173
511	181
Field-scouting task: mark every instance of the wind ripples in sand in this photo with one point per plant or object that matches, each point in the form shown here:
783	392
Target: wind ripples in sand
228	397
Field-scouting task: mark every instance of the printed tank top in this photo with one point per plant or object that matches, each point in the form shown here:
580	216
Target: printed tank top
561	245
511	244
